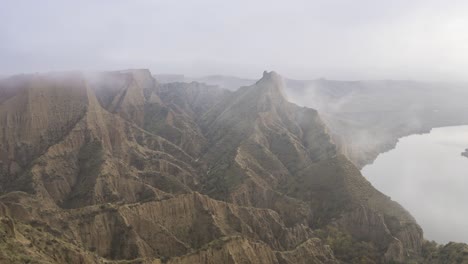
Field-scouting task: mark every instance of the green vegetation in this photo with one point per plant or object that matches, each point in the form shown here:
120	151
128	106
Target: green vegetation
155	122
155	118
90	157
348	249
36	245
90	160
223	179
452	253
166	183
23	181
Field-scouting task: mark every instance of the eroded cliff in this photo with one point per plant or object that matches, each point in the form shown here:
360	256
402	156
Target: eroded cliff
116	166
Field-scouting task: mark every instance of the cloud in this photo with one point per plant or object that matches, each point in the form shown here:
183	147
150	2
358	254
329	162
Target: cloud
339	39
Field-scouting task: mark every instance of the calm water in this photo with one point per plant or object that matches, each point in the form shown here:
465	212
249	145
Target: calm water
429	177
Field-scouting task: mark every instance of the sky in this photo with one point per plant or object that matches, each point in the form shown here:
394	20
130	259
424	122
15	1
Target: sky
301	39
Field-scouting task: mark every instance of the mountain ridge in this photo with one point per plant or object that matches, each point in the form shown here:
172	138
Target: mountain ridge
149	172
367	117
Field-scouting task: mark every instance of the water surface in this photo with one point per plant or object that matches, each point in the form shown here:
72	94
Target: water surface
429	177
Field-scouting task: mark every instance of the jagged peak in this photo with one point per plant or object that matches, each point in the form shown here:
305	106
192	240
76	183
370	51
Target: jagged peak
271	75
272	84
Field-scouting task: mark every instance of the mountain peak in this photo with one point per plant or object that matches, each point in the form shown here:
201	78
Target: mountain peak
271	76
271	83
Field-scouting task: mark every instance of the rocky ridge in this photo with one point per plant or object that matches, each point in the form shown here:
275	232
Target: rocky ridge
366	118
115	166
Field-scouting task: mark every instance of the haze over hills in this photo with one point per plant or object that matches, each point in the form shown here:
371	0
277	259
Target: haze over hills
367	116
145	132
231	83
116	166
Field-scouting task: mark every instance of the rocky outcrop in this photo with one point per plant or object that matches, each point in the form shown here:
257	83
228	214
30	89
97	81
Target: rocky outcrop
279	147
146	172
230	250
366	118
186	225
311	251
23	243
240	250
465	153
37	113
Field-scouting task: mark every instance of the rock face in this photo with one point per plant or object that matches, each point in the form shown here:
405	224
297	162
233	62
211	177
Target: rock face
367	118
115	166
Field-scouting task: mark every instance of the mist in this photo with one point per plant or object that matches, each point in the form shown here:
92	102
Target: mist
303	40
145	131
387	129
338	39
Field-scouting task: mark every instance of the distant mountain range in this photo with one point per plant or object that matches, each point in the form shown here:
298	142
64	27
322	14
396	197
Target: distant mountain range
121	167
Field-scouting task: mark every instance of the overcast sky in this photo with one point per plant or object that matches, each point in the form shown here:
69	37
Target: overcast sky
303	39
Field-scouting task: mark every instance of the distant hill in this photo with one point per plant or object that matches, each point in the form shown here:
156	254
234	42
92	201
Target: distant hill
231	83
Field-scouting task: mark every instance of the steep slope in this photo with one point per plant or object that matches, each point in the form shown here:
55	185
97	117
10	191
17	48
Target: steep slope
36	112
168	110
126	168
263	146
104	162
100	158
185	225
367	118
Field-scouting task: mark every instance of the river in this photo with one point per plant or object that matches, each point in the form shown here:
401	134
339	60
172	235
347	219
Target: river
428	176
